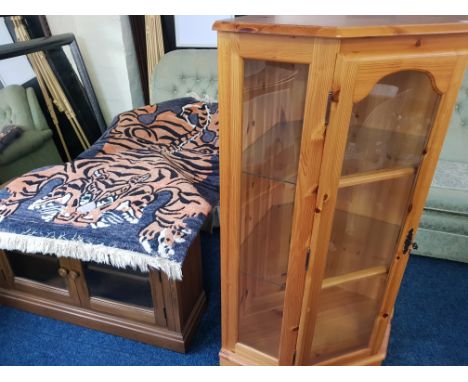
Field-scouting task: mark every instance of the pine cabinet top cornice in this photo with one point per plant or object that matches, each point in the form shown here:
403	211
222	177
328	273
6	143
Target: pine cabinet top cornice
345	26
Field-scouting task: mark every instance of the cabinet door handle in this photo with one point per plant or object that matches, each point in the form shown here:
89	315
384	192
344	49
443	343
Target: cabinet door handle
408	241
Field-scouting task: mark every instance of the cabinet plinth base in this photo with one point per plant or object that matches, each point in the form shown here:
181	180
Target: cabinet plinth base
229	358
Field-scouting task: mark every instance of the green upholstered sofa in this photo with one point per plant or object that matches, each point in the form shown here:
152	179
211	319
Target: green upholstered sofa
443	231
35	147
185	72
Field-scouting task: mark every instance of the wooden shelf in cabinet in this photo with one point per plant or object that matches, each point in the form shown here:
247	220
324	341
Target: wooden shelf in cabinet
270	151
378	130
375	176
345	317
353	276
372	149
286	180
277	279
384	200
359	243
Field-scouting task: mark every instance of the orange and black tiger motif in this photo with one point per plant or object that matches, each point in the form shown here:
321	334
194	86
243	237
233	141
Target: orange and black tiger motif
154	172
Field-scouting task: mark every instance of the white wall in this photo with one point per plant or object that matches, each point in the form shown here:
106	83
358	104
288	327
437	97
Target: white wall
196	31
17	70
106	54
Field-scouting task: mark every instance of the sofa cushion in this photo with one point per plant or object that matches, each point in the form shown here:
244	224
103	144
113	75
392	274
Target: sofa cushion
28	142
14	107
451	175
435	243
449	189
8	134
438	220
454	148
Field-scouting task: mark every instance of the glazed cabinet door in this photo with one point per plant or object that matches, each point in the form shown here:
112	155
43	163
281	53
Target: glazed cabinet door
388	121
270	145
42	275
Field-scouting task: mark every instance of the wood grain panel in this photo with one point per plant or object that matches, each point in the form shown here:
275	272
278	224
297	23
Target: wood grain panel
230	77
123	310
158	297
289	49
345	27
405	44
6	274
313	135
76	281
326	197
372	67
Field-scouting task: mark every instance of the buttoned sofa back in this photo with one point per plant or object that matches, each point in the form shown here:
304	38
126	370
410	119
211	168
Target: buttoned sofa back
185	72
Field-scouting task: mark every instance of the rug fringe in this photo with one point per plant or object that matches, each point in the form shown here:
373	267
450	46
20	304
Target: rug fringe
99	253
202	98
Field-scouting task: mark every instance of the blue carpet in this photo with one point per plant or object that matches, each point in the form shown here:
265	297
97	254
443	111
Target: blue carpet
429	327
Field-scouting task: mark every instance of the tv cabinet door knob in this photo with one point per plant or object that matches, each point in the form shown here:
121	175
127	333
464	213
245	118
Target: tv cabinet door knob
73	275
62	272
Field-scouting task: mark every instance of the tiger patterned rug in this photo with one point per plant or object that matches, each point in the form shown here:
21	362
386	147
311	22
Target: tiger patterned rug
138	197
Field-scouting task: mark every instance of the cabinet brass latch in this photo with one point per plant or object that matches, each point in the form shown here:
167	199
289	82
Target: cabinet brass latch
328	110
409	241
332	97
307	259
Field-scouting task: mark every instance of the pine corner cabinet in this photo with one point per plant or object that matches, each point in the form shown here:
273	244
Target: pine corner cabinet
330	132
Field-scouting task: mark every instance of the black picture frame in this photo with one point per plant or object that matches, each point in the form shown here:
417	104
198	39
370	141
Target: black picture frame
80	94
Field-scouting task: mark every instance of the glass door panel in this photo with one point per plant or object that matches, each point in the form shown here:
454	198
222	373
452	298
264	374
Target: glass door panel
367	225
40	268
274	99
387	135
123	285
389	128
